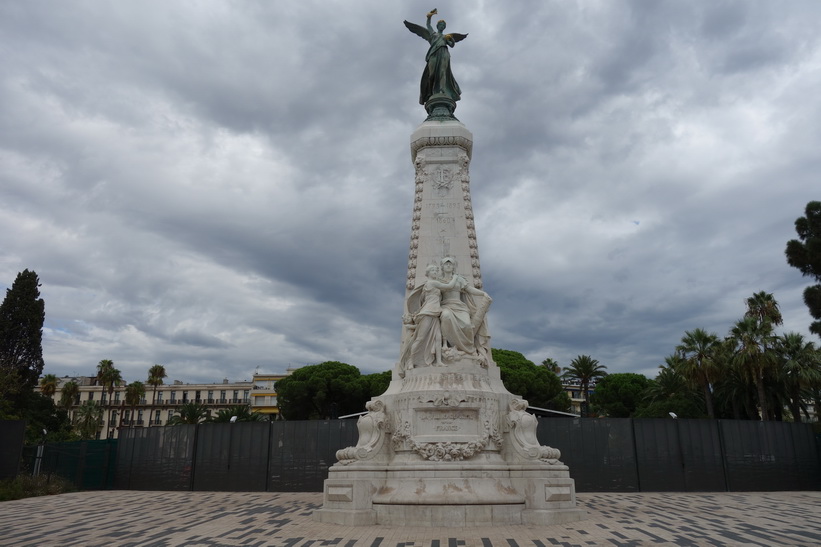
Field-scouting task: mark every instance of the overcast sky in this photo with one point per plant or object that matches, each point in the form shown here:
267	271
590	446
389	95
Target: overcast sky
219	186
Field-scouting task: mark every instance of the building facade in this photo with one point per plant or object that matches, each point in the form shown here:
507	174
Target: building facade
160	405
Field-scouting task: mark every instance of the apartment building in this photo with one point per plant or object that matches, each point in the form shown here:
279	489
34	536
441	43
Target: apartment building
158	407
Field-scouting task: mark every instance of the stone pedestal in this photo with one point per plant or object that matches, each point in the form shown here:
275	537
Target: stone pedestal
446	444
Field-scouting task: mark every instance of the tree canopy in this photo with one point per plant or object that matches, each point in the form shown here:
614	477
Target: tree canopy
322	391
240	413
804	253
22	314
536	384
618	395
189	413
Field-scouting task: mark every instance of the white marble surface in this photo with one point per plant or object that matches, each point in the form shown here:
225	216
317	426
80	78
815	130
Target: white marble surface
446	444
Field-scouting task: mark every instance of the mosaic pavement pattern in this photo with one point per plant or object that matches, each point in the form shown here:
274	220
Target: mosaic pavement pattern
217	519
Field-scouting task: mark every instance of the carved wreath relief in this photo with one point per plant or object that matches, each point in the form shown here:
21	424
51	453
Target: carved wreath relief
467	423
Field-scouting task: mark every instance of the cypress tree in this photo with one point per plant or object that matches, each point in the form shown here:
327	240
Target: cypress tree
22	314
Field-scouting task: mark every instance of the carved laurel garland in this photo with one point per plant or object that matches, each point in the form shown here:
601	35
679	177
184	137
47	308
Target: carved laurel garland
464	176
421	178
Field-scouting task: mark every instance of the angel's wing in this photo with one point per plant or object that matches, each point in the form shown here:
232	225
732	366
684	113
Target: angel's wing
458	37
418	30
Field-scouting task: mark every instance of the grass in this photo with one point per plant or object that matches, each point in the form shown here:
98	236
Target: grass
26	486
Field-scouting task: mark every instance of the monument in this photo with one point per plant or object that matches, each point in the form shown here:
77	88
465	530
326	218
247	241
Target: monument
446	444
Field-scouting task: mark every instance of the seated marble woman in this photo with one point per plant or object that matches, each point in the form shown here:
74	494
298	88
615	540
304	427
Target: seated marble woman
423	344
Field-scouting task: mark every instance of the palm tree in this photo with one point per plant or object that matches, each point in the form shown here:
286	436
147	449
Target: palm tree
48	385
190	413
754	355
88	419
68	394
584	369
762	306
155	377
108	377
134	392
551	365
242	412
731	389
801	369
698	349
670	383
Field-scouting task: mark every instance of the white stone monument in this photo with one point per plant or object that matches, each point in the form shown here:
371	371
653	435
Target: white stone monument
446	444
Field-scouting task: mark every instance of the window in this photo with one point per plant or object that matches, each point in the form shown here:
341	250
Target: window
170	415
210	396
173	396
236	395
90	395
139	417
117	396
184	396
245	395
156	417
197	396
222	396
159	396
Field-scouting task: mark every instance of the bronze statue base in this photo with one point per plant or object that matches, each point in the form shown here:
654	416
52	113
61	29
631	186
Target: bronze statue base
440	107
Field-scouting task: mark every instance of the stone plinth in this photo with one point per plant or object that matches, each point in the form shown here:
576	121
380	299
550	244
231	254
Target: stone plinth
446	444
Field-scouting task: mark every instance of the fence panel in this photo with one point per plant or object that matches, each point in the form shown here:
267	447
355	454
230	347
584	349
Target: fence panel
604	455
659	455
703	456
769	456
232	457
156	458
90	465
599	452
302	452
679	456
12	433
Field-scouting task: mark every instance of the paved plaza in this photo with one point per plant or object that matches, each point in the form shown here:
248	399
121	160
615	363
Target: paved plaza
215	519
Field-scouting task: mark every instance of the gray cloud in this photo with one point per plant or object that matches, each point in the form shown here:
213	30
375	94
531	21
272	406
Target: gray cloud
222	187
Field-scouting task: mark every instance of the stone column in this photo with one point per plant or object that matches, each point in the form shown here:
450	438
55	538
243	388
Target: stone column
446	444
443	223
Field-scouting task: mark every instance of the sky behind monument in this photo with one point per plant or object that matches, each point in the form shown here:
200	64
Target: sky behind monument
219	186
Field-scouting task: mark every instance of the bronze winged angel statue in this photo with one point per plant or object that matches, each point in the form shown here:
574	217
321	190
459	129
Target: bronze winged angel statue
437	78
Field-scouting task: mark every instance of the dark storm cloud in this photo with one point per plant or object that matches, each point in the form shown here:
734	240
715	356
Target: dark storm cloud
219	186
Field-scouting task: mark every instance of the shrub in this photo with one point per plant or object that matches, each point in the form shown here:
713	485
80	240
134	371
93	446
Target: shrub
26	486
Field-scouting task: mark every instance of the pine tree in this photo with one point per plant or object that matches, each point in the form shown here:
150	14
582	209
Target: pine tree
22	314
806	256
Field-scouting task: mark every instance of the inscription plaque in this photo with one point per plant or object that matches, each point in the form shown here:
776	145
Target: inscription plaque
455	425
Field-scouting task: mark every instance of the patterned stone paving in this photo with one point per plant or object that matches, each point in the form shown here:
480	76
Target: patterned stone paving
217	519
